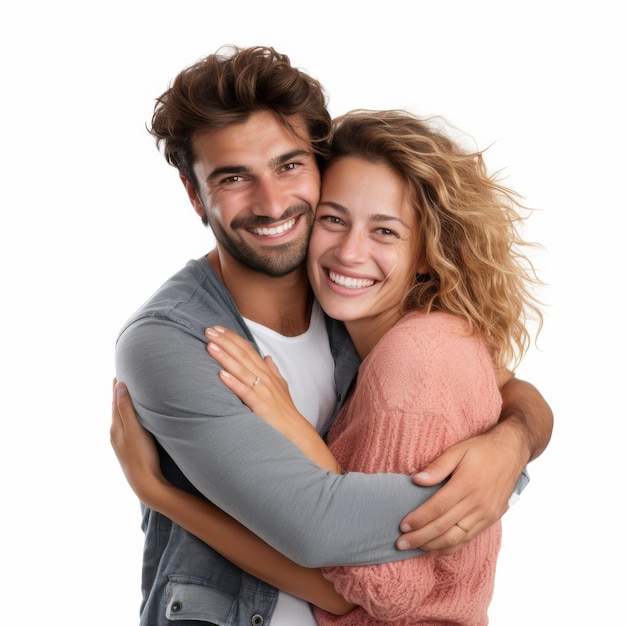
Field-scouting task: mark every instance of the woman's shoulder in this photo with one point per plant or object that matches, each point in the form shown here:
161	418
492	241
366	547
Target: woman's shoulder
421	331
433	319
434	344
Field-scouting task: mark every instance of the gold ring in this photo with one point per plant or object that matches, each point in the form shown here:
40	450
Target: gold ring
257	380
465	530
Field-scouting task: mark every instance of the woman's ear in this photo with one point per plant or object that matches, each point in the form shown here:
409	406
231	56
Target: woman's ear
422	266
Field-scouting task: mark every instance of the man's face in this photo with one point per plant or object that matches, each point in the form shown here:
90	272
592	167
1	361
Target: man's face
258	186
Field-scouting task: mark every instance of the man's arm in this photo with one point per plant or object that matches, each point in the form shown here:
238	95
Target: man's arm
139	458
525	410
483	472
248	469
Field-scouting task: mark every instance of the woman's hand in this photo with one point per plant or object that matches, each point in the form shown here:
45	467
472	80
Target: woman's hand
134	447
255	380
259	385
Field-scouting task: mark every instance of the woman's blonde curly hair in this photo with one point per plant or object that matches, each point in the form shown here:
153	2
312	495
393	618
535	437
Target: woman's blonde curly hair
469	227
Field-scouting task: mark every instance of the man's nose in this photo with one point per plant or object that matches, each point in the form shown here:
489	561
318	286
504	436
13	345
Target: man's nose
269	199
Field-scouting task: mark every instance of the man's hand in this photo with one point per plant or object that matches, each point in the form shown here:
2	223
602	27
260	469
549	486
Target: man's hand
483	472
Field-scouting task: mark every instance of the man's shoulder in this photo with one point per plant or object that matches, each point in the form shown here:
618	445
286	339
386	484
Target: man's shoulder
193	284
193	299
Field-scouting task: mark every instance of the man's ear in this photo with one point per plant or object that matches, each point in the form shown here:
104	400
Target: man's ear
194	198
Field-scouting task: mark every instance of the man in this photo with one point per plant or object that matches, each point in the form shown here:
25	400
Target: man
246	131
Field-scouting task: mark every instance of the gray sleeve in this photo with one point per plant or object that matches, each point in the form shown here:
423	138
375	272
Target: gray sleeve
250	470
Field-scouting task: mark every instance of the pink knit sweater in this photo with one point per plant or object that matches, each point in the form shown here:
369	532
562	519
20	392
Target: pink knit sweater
426	386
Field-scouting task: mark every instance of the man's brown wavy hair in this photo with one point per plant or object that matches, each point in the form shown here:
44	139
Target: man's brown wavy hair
226	88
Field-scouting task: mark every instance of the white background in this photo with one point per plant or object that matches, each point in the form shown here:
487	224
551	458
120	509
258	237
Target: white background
93	220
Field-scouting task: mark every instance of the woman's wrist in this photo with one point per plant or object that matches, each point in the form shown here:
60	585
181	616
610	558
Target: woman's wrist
152	490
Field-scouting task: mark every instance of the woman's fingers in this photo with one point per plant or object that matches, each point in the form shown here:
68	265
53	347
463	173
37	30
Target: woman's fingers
236	355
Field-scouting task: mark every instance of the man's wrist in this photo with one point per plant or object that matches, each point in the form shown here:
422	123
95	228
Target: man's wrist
512	433
528	416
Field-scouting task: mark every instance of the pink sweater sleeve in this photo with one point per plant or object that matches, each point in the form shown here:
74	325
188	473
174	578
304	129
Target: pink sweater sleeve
426	386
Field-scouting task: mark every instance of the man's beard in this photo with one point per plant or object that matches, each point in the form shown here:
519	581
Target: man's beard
275	261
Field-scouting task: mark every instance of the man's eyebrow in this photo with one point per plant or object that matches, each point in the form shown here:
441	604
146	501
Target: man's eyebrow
243	169
283	158
227	169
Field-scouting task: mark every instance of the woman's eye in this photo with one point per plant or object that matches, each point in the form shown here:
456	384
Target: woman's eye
330	219
386	232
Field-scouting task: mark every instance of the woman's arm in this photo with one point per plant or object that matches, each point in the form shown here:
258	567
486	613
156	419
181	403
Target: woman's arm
138	456
259	385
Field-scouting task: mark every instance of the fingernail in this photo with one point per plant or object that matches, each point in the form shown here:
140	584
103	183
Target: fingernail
213	347
403	544
422	475
209	332
120	389
405	528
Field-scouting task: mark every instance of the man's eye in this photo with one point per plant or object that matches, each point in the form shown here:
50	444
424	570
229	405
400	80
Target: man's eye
232	179
289	166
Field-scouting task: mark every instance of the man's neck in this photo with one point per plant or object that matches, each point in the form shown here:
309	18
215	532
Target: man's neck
281	304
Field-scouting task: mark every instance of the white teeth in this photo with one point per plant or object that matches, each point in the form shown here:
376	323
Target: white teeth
350	283
275	230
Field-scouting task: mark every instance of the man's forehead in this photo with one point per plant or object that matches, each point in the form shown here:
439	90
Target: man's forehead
262	141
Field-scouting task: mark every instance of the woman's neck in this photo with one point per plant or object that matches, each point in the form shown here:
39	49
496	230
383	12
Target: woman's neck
367	332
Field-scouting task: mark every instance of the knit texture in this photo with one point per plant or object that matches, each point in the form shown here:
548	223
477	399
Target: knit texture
426	386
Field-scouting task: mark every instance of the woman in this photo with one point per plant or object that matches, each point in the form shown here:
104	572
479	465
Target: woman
415	248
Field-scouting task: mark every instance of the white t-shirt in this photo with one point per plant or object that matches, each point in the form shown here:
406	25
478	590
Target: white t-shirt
307	364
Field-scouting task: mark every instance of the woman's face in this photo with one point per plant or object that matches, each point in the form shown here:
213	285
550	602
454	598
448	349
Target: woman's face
363	251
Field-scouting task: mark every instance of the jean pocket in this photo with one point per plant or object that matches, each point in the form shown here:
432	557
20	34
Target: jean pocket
190	599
